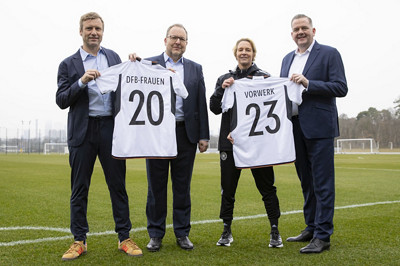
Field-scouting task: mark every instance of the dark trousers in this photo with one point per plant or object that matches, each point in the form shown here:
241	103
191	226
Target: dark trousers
97	142
315	169
181	175
264	178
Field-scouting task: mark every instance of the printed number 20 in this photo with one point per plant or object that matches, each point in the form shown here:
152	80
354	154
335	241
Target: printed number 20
253	131
134	120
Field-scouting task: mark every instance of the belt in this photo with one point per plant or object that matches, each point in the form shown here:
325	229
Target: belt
98	117
180	123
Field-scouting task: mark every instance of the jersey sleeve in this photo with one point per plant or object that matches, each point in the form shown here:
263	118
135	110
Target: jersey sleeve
295	92
178	85
109	77
228	98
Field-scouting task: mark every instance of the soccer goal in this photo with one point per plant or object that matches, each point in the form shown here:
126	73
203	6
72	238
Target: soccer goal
356	146
60	148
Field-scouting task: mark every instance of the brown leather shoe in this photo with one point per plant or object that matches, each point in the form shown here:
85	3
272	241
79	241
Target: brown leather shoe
304	236
129	247
77	249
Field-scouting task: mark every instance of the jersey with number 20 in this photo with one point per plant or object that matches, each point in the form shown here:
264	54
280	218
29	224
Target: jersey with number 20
145	108
261	125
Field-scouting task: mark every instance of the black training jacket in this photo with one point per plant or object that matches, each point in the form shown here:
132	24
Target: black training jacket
216	98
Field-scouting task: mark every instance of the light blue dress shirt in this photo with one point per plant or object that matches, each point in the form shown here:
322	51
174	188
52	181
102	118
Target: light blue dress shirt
178	67
99	104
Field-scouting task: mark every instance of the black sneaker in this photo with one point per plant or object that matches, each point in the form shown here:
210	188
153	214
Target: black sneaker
275	241
226	238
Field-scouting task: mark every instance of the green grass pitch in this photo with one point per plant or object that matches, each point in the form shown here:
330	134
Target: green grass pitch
34	215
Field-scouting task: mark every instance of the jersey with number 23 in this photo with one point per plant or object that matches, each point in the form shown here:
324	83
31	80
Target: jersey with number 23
261	125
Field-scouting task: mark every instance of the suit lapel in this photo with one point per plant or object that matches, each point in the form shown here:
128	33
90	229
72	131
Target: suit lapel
161	60
287	65
314	53
186	71
78	64
109	58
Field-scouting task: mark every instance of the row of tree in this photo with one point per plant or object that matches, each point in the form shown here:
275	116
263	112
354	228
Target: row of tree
383	126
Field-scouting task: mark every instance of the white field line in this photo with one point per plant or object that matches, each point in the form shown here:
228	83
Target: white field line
140	229
351	168
369	169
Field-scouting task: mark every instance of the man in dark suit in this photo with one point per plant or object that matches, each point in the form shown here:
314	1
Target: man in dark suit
90	129
319	68
191	130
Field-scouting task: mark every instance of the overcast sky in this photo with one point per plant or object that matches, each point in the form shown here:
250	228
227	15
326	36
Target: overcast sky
37	35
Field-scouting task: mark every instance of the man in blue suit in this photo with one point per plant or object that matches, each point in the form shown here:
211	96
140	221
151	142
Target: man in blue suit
90	129
192	130
319	68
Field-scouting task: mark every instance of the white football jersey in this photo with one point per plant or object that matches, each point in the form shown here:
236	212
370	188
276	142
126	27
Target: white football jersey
261	125
144	108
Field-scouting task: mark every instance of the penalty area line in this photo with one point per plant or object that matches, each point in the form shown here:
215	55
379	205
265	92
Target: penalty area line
140	229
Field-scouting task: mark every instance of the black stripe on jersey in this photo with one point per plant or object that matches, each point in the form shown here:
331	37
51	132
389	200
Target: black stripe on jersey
117	106
288	104
173	96
233	113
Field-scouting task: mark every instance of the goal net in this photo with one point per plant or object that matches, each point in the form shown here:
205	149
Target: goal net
60	148
356	146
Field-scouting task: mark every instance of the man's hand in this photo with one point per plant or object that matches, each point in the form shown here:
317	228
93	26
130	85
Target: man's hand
90	75
203	145
133	57
299	79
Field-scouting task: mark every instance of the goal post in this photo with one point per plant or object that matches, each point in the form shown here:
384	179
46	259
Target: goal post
367	145
60	148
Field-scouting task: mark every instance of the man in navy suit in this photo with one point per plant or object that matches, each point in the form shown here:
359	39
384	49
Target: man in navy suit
319	68
192	130
90	129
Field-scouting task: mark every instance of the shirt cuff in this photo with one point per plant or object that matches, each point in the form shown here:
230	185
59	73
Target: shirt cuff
81	84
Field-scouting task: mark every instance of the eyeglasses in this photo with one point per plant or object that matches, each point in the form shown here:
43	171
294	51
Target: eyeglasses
175	38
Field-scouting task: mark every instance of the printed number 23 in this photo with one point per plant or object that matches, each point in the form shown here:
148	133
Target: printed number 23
253	131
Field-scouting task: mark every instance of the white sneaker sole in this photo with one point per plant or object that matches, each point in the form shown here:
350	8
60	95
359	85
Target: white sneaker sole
225	245
273	246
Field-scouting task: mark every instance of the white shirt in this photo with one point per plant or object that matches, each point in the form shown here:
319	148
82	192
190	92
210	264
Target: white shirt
297	67
145	108
261	124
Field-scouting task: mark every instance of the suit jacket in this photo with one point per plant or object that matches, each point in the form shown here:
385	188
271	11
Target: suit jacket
195	105
69	94
324	69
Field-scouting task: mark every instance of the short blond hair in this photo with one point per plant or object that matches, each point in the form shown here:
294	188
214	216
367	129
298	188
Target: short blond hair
89	16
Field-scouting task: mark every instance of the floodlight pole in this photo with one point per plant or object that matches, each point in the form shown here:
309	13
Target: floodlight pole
29	137
22	136
6	141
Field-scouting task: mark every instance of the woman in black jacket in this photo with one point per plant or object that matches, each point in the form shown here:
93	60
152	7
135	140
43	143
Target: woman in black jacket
244	52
